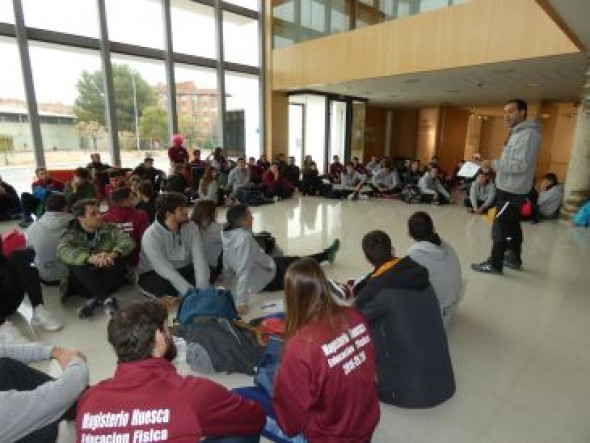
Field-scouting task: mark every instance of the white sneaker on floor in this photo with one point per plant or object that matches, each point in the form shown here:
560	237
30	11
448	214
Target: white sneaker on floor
45	320
10	335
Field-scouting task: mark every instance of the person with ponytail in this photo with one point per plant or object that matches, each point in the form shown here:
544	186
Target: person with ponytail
324	389
440	259
247	269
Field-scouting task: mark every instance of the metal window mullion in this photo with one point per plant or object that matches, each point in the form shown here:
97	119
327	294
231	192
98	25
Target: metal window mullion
220	72
169	65
25	62
262	76
108	84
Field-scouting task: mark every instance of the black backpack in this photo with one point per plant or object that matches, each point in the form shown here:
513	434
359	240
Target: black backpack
251	195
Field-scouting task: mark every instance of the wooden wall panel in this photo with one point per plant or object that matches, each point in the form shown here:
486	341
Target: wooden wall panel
477	32
375	127
404	132
427	137
453	124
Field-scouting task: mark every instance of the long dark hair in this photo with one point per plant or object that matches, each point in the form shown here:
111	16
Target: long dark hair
421	228
208	178
204	214
307	298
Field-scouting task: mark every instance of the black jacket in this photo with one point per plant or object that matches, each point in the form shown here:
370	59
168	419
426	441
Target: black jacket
414	368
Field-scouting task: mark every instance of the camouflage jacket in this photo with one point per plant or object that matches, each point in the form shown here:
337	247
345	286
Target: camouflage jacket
75	247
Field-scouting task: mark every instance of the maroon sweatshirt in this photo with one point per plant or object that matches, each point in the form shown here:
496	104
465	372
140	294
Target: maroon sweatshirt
178	154
270	181
325	386
149	401
133	222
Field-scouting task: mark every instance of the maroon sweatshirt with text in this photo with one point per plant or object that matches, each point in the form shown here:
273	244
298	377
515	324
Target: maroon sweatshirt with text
149	401
325	385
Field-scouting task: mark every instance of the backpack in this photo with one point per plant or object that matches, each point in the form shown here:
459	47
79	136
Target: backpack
210	302
251	195
267	366
411	194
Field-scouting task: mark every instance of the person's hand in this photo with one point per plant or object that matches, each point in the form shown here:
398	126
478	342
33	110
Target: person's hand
243	309
64	356
95	260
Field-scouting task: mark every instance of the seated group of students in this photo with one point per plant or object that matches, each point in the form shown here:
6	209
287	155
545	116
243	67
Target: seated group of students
338	361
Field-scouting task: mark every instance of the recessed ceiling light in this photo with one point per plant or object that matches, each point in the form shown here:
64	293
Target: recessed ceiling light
413	80
503	71
534	84
453	91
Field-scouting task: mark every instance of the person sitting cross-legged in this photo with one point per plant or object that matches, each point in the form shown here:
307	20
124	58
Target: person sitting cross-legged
385	181
324	389
414	368
547	203
432	189
482	194
154	402
246	267
10	207
351	182
275	185
172	260
44	235
238	177
33	203
31	402
97	255
80	187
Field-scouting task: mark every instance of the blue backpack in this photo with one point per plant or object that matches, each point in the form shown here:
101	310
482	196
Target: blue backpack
210	302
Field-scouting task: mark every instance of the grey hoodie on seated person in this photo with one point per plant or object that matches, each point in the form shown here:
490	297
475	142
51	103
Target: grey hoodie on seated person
444	272
246	267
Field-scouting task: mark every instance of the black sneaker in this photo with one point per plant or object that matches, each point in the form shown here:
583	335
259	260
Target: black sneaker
87	310
341	291
485	267
512	261
333	250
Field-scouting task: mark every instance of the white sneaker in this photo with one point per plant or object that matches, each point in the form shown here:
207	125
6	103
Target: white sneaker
10	335
45	320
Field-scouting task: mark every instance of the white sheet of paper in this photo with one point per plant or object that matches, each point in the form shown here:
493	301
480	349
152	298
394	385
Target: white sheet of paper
469	169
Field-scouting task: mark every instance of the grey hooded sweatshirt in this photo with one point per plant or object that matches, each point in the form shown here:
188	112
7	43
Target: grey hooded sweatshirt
164	252
22	412
516	167
43	236
549	201
246	268
444	271
385	179
237	178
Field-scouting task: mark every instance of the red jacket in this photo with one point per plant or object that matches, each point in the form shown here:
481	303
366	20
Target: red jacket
269	181
149	401
335	170
178	155
133	222
325	386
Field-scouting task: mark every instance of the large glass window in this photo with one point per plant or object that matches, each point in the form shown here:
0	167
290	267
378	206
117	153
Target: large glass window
141	99
70	102
242	124
313	15
6	12
193	28
138	22
15	138
248	4
197	104
240	39
76	17
431	5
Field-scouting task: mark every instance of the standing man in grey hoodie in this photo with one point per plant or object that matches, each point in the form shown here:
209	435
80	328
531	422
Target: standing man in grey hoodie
515	177
444	269
44	235
172	258
31	403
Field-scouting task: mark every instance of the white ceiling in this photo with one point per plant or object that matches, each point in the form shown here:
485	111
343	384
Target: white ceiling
575	14
558	78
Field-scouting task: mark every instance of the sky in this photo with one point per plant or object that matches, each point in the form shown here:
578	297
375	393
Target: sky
57	69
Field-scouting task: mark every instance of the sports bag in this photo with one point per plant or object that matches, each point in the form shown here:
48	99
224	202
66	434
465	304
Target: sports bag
266	241
210	302
251	195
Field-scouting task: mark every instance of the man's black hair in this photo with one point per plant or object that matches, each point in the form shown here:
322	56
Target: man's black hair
56	203
169	202
79	208
235	215
377	247
421	228
521	105
131	330
120	195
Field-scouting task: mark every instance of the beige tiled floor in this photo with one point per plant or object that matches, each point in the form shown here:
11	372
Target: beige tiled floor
519	342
